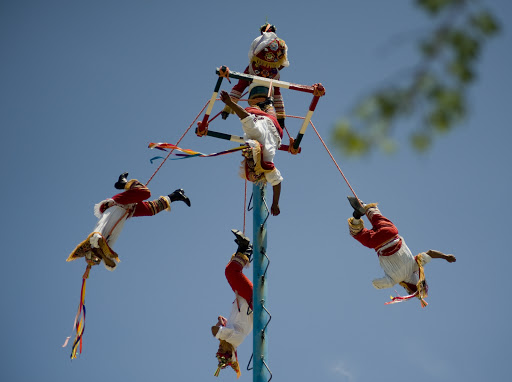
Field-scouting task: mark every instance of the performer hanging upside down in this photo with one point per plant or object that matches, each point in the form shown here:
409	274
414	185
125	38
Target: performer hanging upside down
112	214
268	54
232	331
396	259
263	134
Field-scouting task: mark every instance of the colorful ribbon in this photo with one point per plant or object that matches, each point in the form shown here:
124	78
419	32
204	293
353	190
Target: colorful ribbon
190	153
399	298
79	324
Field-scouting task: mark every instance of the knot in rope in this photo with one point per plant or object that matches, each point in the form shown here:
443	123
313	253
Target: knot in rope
202	130
318	90
291	148
224	73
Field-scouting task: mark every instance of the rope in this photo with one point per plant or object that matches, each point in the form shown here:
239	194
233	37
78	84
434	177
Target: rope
216	115
179	140
329	152
185	133
245	202
285	129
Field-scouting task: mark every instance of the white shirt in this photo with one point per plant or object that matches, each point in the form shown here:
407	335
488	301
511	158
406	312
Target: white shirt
111	222
262	129
239	323
398	267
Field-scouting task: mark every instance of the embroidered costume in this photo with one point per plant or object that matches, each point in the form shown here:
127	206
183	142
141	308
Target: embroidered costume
113	213
395	257
268	54
232	332
263	134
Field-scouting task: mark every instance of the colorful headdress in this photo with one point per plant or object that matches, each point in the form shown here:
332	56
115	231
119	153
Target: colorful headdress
253	166
268	53
95	248
225	359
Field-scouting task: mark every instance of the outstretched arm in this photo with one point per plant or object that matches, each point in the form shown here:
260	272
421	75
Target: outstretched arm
239	110
440	255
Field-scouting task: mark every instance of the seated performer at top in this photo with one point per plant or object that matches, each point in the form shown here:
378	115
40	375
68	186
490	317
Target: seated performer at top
232	331
112	213
267	56
263	134
396	259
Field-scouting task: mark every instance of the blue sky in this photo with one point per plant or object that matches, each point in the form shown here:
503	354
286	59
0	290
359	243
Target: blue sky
85	86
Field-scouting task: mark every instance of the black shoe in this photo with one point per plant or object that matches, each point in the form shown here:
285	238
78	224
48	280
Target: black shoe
357	205
179	195
121	182
243	241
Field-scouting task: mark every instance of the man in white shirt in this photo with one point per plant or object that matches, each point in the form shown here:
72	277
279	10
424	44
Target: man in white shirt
232	331
396	259
263	134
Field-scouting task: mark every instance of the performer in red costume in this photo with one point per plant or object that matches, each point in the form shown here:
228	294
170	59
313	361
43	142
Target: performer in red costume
232	331
395	257
112	214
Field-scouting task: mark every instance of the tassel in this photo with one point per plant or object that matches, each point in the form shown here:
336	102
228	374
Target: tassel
217	372
79	324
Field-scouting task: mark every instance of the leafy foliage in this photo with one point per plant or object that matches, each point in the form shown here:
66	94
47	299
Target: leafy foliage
435	93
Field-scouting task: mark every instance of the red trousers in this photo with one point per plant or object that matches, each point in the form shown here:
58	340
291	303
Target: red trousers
382	231
138	195
238	281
